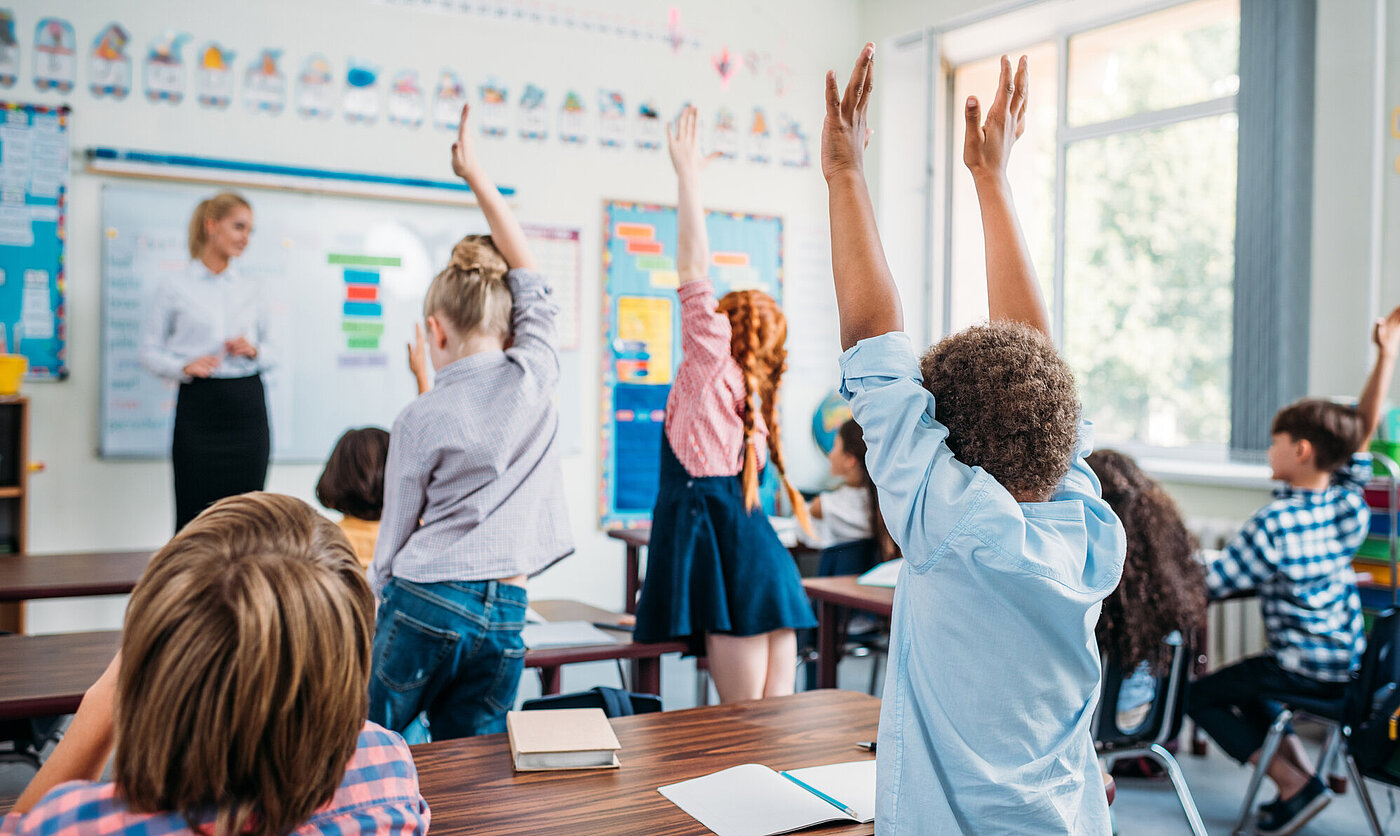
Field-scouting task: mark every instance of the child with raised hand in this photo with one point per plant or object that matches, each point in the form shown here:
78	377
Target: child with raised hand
718	578
1297	551
473	493
237	702
978	453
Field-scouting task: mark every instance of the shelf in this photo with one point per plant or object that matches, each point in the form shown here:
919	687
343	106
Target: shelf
11	493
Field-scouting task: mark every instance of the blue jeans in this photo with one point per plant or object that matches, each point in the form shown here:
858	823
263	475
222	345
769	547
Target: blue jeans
451	649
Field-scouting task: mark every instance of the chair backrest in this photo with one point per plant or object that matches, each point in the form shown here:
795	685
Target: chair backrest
1164	715
615	702
851	558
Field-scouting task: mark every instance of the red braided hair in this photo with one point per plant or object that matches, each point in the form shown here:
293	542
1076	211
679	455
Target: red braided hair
759	335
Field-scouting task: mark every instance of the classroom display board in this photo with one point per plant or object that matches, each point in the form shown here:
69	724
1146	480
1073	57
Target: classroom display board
34	169
345	280
642	334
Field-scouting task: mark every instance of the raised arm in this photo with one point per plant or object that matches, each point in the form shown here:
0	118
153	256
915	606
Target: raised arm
693	249
506	233
1386	335
1012	290
866	297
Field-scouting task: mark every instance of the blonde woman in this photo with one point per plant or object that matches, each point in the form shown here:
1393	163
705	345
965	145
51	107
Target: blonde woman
237	703
207	329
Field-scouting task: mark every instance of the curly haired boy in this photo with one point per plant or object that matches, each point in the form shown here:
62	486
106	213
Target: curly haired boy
1009	550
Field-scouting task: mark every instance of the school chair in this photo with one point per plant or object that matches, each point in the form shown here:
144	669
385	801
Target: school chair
1343	716
852	558
1161	724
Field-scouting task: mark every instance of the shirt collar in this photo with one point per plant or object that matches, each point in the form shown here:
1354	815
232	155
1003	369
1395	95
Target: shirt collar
460	369
1303	495
200	270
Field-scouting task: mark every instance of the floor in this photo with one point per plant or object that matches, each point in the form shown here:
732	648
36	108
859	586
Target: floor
1143	807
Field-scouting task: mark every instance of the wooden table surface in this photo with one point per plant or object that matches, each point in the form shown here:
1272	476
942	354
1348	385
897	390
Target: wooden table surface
42	675
27	577
831	594
471	787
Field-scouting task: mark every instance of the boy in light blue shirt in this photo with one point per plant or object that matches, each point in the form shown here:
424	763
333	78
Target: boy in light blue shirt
1009	550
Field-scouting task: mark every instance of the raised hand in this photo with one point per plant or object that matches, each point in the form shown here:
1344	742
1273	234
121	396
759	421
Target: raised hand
683	141
202	366
418	359
240	347
987	146
844	131
464	163
1386	333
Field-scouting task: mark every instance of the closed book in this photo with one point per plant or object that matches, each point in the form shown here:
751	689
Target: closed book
566	738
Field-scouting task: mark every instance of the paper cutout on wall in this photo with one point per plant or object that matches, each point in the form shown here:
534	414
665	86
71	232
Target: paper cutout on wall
724	139
164	68
264	85
642	353
754	61
213	79
674	35
361	99
534	118
109	67
651	132
55	55
726	64
573	119
612	119
780	72
406	100
792	143
9	49
316	89
495	110
448	100
760	139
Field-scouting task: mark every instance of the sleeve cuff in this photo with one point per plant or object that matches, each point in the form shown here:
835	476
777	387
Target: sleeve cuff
696	288
889	355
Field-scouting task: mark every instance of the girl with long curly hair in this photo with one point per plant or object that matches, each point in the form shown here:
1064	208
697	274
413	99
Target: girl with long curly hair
717	576
1163	586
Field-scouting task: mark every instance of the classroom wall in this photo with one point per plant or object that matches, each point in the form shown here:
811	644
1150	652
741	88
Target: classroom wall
1346	120
82	502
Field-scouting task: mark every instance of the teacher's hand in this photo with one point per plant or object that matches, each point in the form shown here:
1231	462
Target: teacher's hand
202	366
240	347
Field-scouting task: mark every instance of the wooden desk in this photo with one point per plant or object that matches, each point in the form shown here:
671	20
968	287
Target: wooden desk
471	788
43	675
636	539
646	658
831	594
27	577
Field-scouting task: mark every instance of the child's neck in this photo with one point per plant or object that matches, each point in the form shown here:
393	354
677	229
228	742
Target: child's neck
1311	480
475	344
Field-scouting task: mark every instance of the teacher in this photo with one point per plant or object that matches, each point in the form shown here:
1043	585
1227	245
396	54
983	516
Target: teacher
208	330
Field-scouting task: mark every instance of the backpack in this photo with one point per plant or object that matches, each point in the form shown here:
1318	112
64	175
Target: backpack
1373	705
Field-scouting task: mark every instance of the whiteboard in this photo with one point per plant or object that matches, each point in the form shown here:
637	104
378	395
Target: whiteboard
341	359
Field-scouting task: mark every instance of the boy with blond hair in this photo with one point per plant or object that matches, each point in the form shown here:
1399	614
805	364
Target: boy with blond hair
1009	550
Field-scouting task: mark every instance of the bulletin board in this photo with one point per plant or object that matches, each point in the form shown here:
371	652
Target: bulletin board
34	171
642	334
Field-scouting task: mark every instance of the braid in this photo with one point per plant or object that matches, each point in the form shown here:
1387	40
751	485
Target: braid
747	344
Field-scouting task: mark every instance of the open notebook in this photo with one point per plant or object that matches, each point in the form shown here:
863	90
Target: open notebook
753	800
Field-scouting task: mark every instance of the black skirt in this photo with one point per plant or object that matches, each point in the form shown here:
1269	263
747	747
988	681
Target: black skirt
221	442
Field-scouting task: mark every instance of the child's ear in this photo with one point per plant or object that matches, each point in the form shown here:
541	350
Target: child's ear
1303	451
437	335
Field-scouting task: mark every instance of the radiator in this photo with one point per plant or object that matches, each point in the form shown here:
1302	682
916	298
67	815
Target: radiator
1234	628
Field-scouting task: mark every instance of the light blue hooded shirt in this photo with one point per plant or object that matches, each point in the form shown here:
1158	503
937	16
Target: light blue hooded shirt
994	671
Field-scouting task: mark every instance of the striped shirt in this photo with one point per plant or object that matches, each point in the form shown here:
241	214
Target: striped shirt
379	794
1296	551
705	409
472	488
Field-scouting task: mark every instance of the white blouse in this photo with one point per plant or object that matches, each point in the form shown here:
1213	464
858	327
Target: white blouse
193	314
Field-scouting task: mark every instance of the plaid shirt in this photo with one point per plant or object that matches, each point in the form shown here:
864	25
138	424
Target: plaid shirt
705	409
378	795
1296	551
472	489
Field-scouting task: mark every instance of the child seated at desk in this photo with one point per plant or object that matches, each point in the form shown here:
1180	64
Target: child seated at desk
353	484
237	703
851	532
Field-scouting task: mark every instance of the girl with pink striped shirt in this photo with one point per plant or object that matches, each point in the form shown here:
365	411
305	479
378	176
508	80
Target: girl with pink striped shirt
717	576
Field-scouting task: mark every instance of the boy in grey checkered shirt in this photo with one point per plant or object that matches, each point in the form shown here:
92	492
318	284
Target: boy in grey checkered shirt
1296	552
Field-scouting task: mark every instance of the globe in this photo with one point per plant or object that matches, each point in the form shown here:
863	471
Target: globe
831	413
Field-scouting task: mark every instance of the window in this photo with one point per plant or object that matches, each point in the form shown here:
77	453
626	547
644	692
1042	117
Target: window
1125	183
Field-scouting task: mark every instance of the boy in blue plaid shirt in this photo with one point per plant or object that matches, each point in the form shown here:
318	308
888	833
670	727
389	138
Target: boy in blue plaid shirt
1296	552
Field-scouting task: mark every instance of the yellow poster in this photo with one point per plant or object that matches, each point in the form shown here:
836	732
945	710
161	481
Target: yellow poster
644	331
